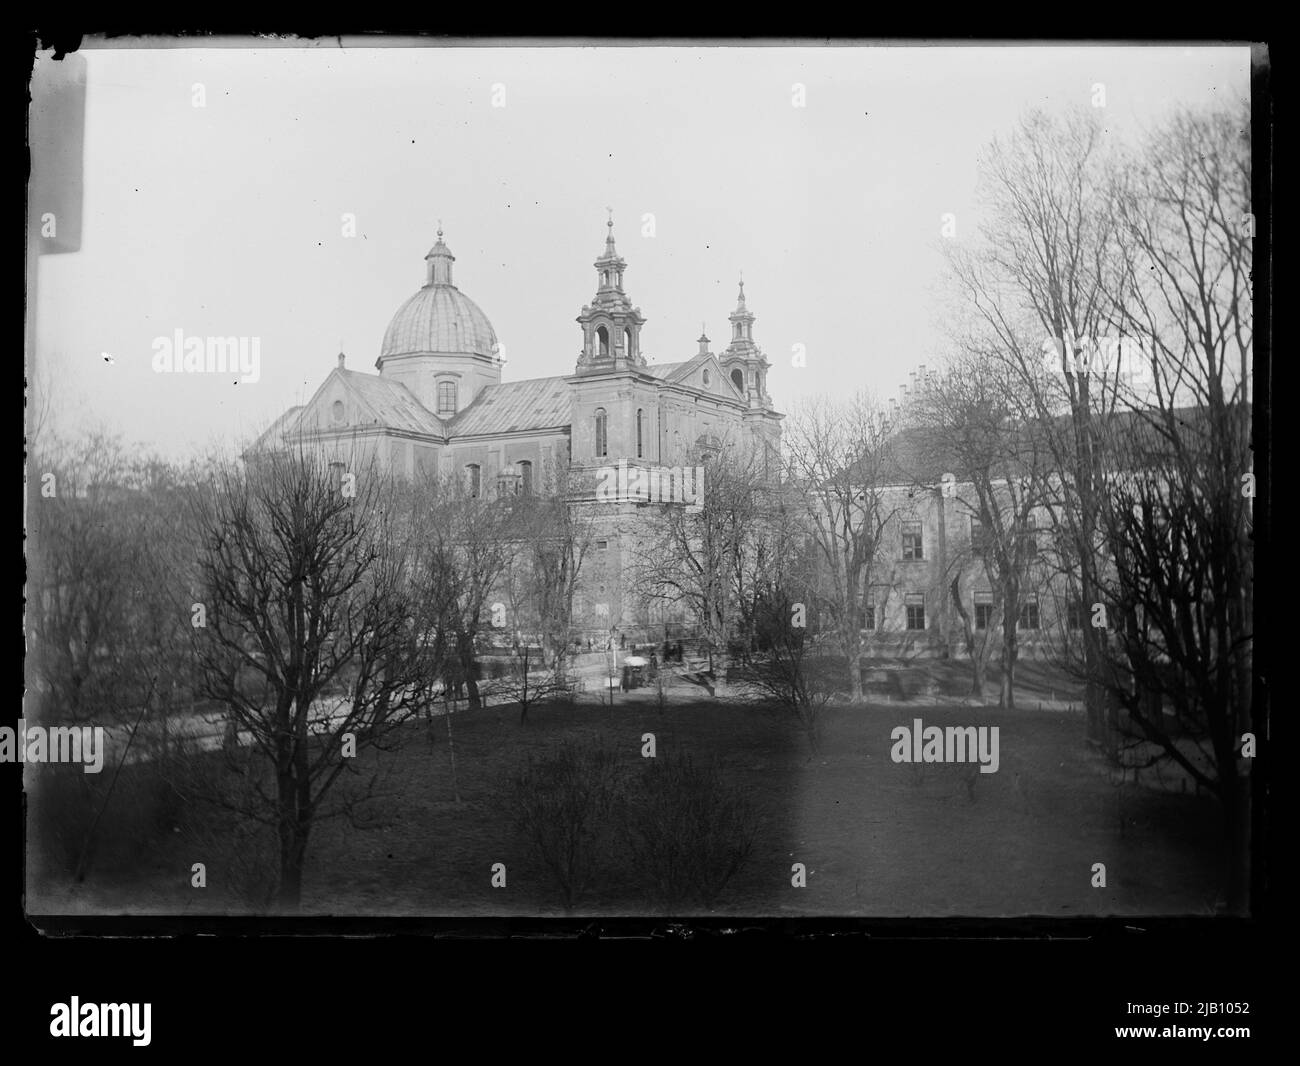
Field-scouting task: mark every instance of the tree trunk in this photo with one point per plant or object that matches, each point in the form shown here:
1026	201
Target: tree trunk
451	748
293	850
1007	693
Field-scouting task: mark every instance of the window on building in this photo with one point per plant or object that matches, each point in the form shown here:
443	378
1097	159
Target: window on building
473	479
446	398
640	424
601	545
337	411
525	477
867	613
912	540
979	536
1029	538
602	432
915	604
983	610
738	377
602	342
1029	613
1074	614
336	476
627	343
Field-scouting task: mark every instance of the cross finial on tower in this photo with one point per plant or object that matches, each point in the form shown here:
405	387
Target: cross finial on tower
439	229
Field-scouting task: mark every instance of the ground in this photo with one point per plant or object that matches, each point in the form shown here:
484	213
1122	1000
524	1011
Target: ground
877	838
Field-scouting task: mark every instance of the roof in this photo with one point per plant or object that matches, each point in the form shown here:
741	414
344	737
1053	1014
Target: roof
439	318
538	403
663	370
393	404
278	428
681	371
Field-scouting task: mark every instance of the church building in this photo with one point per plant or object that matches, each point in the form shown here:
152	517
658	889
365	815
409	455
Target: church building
438	406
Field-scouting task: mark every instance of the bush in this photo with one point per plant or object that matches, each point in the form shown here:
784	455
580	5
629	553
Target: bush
561	806
688	833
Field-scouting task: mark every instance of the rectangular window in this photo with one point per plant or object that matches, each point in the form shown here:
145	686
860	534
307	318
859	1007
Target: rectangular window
983	610
867	613
1028	537
1029	613
601	545
915	603
979	537
912	540
1074	615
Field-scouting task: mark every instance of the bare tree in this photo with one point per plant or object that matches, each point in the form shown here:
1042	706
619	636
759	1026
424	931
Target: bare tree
1040	285
972	413
693	555
840	455
1176	508
305	581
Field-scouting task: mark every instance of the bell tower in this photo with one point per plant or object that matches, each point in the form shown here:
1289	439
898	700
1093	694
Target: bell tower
743	361
611	326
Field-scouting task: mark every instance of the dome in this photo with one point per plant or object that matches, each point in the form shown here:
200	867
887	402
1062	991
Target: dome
439	318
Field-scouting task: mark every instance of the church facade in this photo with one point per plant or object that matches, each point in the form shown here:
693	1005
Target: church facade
438	407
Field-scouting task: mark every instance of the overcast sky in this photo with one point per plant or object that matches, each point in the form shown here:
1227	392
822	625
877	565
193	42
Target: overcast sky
226	219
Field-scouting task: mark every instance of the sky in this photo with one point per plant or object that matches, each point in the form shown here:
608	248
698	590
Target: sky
227	219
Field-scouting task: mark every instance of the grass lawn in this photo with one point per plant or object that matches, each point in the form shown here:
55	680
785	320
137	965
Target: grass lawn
877	838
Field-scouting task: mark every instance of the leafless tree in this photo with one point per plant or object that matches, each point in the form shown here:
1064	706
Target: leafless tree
306	581
840	456
1041	283
1176	507
693	555
972	415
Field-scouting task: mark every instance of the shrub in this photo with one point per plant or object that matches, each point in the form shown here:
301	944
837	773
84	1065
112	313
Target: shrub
561	806
688	833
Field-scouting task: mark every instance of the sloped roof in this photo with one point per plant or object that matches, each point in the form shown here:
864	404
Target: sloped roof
663	370
393	404
278	428
514	406
681	371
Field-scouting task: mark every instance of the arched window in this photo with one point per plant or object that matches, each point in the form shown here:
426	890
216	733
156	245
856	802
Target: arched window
337	411
640	438
602	342
525	477
446	398
738	376
602	432
473	479
604	278
627	343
